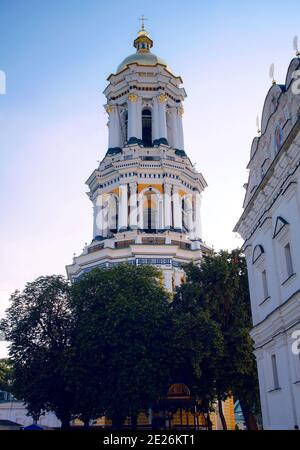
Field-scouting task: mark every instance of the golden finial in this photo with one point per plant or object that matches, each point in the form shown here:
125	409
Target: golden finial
142	19
271	73
295	45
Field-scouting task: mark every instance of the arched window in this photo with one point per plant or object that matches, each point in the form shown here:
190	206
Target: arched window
150	211
147	127
257	252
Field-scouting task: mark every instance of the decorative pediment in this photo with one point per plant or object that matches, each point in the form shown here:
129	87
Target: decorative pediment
280	224
257	252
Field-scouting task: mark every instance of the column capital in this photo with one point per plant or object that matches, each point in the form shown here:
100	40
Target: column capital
133	186
109	108
197	195
167	188
162	98
132	97
97	199
180	111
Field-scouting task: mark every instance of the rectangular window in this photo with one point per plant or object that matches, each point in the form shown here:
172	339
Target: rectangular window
275	372
288	260
265	284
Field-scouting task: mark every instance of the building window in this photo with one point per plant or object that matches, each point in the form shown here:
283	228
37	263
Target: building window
275	372
288	260
147	127
265	284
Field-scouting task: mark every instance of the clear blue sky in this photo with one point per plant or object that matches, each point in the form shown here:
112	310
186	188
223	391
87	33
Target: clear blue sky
57	55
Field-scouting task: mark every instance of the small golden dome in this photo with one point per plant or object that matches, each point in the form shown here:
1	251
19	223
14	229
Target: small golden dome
143	33
143	56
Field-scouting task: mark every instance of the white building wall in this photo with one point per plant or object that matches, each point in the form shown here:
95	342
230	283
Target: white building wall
280	407
270	195
17	412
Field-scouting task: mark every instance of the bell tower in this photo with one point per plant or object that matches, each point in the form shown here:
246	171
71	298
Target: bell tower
146	194
150	113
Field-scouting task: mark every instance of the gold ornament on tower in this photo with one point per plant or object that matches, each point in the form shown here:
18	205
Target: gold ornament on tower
162	98
132	97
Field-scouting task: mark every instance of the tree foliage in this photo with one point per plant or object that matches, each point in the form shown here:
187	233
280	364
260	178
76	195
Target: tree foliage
219	290
113	342
199	340
5	374
124	334
102	346
38	325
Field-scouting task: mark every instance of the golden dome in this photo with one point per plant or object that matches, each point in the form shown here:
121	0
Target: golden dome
143	55
143	33
142	59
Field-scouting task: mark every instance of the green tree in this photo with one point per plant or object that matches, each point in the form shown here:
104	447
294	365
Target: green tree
199	340
38	325
5	374
220	288
124	335
227	294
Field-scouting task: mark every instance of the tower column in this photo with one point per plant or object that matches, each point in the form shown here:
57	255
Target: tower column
155	120
177	212
133	206
160	221
132	116
139	132
162	117
197	215
140	211
105	213
100	227
114	126
180	129
174	126
97	209
189	214
167	206
123	207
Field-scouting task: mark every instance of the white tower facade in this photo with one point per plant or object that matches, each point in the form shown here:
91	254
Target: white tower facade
270	226
146	194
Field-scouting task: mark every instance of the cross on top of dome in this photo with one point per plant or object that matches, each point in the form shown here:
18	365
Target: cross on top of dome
142	19
143	42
